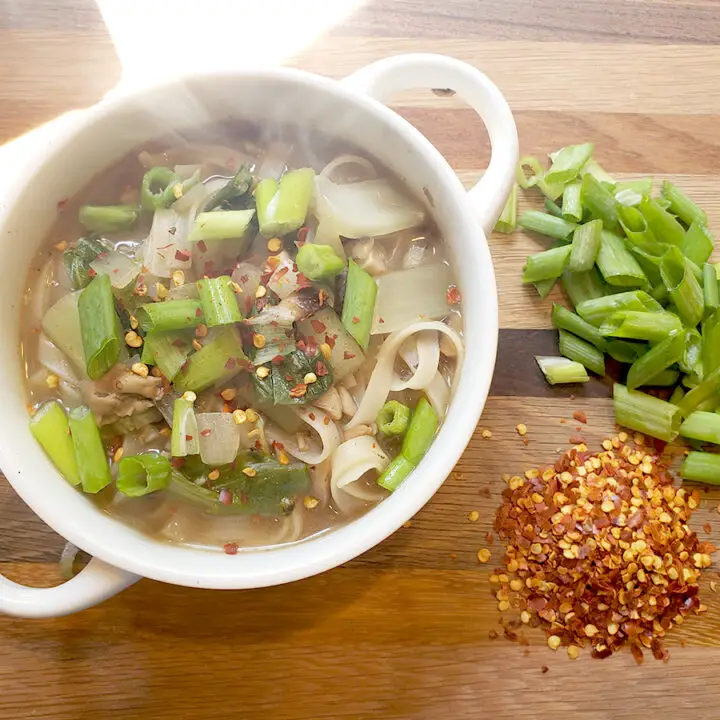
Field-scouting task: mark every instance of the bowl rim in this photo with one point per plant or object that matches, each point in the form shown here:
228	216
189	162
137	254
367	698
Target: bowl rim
125	547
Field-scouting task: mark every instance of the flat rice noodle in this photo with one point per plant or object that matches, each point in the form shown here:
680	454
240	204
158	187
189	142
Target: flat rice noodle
381	380
351	461
331	170
323	425
438	394
421	353
320	480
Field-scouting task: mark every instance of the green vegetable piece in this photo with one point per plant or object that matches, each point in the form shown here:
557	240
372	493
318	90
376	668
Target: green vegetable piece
698	244
89	451
318	262
271	490
359	305
711	291
217	362
563	319
660	357
634	325
156	183
170	315
420	433
584	286
664	227
700	393
167	350
683	288
287	381
184	440
574	348
282	207
99	326
236	192
646	414
107	218
681	205
221	225
702	467
572	209
395	473
49	426
702	426
508	218
546	265
568	162
139	475
617	264
561	371
218	302
545	224
77	260
599	202
597	310
585	246
393	418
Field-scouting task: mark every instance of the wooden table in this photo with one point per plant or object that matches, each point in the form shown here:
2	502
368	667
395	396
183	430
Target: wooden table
404	631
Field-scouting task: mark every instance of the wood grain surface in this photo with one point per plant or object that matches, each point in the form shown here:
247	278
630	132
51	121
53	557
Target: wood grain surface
403	631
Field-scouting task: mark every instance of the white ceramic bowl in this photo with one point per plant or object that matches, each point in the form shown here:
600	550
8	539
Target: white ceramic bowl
350	110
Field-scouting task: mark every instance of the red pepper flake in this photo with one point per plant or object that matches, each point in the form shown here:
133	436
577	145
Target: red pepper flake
244	279
289	378
230	363
225	497
177	462
202	247
182	255
302	233
205	432
321	369
544	669
453	295
330	340
302	281
580	416
381	321
311	416
277	360
188	438
312	349
301	345
165	247
230	548
91	272
348	355
576	440
355	319
281	272
317	326
326	421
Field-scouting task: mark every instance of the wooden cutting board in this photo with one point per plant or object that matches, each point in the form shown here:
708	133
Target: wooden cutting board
404	631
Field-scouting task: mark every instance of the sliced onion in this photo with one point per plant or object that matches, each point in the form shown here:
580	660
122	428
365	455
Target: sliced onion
286	279
219	437
364	209
380	382
196	196
52	358
120	268
61	324
343	160
327	432
167	248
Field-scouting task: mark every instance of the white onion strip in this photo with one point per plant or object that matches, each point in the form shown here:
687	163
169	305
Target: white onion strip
321	423
438	393
341	160
380	383
421	353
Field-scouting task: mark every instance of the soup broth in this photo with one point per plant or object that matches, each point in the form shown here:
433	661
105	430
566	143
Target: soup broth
236	341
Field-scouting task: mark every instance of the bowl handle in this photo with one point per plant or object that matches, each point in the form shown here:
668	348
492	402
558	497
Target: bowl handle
392	75
96	582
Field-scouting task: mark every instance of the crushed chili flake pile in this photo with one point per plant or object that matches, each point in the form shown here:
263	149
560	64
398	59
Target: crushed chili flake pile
599	552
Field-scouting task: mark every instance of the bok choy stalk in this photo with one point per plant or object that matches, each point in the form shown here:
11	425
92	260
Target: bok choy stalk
185	438
90	455
49	426
282	207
